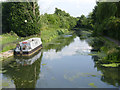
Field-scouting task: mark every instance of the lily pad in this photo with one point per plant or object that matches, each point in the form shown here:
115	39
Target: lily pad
93	75
43	64
4	71
53	78
92	85
5	84
111	65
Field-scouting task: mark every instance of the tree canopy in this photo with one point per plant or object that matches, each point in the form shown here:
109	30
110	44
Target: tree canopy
21	17
60	19
106	19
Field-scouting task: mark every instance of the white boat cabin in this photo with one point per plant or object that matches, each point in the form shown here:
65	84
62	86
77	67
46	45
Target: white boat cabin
28	45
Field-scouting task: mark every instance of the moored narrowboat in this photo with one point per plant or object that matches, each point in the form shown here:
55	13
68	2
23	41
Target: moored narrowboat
28	47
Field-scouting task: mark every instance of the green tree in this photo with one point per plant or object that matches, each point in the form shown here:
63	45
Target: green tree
24	18
6	9
106	19
105	10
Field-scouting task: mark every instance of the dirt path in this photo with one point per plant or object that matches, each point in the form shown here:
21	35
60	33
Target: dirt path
6	54
113	40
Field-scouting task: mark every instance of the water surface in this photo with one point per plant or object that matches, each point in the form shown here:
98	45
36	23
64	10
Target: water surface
64	63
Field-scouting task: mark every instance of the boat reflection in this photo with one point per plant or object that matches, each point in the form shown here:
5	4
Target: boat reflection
27	60
24	72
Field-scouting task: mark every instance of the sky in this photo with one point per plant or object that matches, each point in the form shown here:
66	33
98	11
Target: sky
74	7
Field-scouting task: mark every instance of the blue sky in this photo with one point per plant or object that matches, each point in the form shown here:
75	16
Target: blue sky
74	7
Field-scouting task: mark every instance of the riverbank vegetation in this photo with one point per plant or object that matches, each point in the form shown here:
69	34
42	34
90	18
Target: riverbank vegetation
104	52
106	22
26	21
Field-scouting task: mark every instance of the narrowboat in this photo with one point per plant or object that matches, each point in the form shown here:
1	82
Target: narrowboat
28	47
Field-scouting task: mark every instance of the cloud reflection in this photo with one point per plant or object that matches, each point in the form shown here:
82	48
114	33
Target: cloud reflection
77	47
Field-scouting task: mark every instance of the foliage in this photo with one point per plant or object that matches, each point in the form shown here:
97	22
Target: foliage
108	52
60	19
105	10
21	17
106	19
113	55
84	22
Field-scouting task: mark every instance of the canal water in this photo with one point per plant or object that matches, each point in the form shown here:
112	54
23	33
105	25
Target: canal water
64	63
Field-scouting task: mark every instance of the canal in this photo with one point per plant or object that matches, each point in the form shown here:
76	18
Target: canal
64	63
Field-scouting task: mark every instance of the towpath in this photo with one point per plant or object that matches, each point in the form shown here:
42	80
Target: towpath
6	54
113	40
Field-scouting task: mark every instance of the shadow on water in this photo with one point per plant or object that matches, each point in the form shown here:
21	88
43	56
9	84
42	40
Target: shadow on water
24	75
109	75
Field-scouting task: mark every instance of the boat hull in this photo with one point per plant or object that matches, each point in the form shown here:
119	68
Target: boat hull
28	53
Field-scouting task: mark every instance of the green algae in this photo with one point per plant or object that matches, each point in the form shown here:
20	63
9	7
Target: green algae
111	65
92	85
44	64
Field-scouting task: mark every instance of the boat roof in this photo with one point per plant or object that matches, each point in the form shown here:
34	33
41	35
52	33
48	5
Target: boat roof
30	40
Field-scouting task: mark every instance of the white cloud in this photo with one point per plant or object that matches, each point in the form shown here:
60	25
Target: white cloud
2	0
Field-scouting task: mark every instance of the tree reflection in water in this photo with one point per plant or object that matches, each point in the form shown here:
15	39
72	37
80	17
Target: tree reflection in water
109	75
24	76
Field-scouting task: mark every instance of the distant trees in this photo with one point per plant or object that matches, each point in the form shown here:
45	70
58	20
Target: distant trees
104	20
60	19
61	13
21	17
85	22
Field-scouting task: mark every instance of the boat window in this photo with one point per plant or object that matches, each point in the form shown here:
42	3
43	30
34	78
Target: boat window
24	46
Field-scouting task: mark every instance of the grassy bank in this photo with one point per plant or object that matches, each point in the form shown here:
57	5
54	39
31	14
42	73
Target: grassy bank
8	38
7	41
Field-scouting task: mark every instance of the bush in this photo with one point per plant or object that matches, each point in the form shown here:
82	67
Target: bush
22	18
113	55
